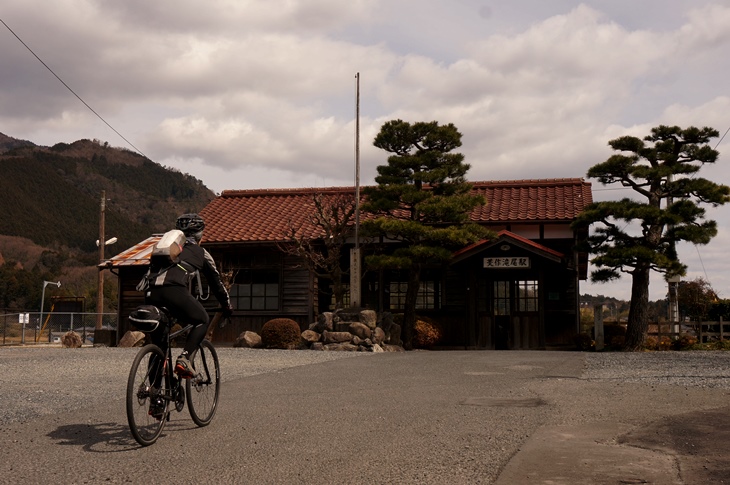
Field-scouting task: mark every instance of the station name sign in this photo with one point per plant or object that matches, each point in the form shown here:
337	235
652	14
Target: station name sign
507	263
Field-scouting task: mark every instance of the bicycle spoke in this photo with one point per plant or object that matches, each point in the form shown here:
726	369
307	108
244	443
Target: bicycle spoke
145	387
203	389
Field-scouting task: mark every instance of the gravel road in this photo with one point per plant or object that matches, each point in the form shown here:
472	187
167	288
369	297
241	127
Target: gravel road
289	419
47	380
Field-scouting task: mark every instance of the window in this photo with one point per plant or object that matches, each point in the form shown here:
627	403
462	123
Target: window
256	289
426	295
526	296
502	297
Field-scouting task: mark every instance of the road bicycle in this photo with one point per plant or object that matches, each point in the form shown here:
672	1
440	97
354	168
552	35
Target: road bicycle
153	389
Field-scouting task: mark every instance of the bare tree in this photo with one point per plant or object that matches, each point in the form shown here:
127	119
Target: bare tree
332	219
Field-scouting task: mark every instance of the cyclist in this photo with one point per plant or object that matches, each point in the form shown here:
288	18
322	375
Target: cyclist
170	287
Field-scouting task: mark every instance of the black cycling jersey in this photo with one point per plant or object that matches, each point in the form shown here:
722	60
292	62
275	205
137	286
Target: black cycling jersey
169	287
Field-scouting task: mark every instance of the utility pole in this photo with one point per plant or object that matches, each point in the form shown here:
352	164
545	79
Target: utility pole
672	280
355	257
100	290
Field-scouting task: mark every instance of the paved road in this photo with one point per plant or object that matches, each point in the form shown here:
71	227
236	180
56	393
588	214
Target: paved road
415	417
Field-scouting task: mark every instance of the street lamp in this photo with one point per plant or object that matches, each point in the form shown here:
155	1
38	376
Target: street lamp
100	296
43	298
107	242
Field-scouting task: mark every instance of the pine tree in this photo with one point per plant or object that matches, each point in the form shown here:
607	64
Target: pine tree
422	200
639	236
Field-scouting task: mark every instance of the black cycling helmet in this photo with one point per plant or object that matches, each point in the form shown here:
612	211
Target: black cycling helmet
191	225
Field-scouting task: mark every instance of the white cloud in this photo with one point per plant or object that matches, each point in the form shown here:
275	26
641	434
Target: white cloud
250	93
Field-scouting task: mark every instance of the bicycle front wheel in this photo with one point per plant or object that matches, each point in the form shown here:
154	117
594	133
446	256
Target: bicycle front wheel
204	387
146	387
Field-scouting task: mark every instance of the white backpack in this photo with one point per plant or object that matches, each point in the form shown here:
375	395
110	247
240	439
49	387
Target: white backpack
164	255
168	248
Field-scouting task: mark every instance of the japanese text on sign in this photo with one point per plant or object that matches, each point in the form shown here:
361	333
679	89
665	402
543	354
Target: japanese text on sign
506	263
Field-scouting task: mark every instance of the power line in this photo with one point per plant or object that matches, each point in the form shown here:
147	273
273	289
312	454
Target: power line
721	138
71	90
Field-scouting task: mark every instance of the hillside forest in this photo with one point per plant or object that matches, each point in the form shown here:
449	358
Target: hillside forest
51	208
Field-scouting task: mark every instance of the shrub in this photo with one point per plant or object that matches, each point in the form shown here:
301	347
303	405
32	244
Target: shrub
665	343
685	341
426	334
651	343
281	333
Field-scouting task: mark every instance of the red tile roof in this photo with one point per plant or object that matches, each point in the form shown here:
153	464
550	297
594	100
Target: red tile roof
264	215
532	200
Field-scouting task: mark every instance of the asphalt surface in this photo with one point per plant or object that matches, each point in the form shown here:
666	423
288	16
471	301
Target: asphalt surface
416	417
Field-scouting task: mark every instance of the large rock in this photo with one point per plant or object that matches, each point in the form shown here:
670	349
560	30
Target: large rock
392	336
310	336
386	321
341	326
132	339
347	315
336	337
359	329
71	340
248	339
341	347
369	318
324	322
378	336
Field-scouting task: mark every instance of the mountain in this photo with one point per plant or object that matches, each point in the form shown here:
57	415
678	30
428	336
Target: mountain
52	195
50	207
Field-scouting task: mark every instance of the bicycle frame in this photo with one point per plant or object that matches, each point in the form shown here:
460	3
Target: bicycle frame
152	380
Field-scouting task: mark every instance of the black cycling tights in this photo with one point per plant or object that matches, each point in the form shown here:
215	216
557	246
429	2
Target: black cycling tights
185	308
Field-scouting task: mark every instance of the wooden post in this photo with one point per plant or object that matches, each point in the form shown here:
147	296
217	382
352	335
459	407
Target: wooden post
100	290
722	329
598	326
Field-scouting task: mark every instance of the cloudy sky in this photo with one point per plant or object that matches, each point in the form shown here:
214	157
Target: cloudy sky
261	93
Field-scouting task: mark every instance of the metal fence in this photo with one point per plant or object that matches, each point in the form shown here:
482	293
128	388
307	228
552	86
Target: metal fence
35	328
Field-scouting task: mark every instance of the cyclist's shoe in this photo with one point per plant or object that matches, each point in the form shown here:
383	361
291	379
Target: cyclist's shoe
157	408
184	368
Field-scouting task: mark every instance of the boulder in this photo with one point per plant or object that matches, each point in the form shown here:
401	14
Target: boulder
324	322
386	321
336	337
132	338
316	346
248	339
393	336
369	318
359	329
377	348
347	315
71	340
310	336
378	336
365	345
392	348
341	326
341	347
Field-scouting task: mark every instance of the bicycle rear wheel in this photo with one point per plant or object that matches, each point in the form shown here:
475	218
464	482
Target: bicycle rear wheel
146	388
204	387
